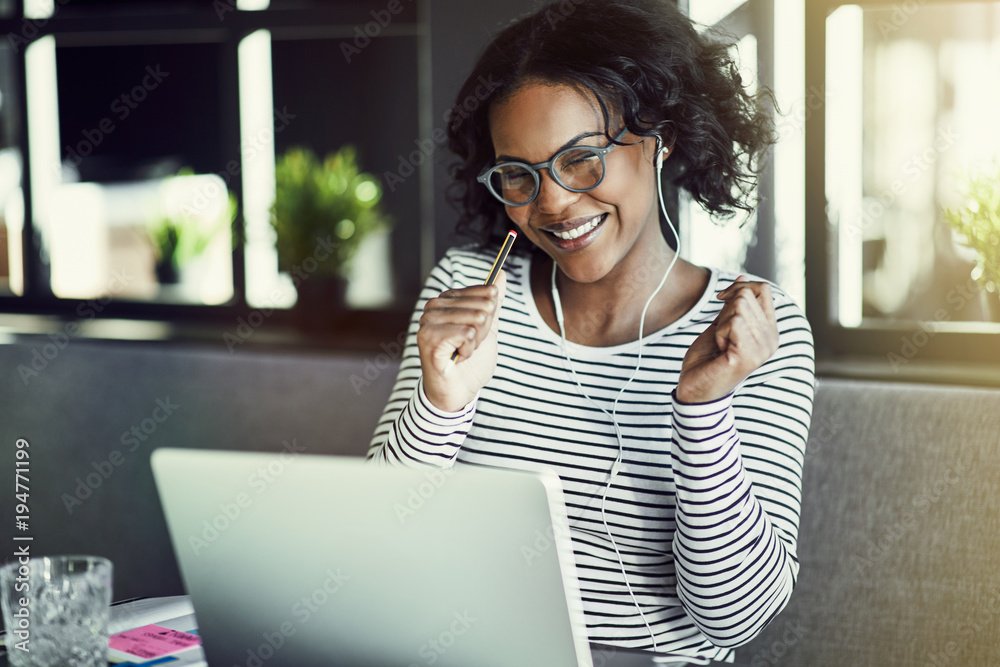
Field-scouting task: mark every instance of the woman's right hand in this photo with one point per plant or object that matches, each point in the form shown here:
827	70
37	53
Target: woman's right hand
465	320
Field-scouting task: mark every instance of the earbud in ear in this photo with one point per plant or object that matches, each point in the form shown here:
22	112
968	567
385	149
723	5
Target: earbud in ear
661	153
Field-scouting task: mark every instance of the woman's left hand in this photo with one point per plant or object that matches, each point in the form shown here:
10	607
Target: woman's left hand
738	342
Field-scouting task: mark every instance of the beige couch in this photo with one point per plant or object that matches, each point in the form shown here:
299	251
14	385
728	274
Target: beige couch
899	542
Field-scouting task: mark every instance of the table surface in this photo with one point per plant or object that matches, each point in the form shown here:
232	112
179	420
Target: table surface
610	656
602	658
618	660
177	612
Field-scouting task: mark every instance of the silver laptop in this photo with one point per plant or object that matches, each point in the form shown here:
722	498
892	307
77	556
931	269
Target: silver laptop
292	559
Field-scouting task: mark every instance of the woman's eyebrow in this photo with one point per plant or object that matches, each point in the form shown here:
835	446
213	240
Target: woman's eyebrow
574	140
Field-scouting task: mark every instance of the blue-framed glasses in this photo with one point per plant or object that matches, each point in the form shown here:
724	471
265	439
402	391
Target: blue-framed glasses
577	168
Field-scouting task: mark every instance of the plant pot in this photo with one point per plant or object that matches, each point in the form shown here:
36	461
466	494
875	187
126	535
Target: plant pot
166	273
989	302
321	303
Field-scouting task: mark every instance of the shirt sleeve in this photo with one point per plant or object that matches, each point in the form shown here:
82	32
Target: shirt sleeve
737	465
412	431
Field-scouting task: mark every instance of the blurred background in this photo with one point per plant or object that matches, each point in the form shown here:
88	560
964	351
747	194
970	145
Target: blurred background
190	163
229	207
216	216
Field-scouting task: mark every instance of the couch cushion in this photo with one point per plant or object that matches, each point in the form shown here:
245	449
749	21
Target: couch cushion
900	534
95	411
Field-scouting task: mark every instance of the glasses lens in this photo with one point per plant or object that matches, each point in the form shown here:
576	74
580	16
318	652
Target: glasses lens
580	168
513	182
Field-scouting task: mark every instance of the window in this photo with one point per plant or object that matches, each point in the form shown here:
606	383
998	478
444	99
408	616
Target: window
771	242
11	202
106	209
153	129
910	92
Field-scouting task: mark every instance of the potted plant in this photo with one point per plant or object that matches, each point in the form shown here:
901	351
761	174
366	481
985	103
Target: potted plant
179	236
977	221
322	212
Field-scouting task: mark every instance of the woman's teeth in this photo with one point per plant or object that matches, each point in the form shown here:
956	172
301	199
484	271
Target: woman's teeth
579	231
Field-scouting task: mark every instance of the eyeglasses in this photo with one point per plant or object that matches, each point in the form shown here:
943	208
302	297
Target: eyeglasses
577	168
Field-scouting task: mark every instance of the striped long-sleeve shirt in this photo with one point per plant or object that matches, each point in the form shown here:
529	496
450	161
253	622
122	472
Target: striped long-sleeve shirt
705	508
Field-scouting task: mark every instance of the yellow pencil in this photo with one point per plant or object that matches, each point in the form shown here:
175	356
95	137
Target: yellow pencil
497	265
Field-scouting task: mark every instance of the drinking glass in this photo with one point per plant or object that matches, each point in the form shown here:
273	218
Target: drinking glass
55	611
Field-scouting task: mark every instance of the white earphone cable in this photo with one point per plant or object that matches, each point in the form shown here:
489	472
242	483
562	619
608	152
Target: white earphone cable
616	466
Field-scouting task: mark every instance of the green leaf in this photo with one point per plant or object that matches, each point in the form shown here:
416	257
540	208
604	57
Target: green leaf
318	200
978	221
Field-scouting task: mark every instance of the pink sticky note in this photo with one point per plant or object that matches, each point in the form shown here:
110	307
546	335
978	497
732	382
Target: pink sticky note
152	641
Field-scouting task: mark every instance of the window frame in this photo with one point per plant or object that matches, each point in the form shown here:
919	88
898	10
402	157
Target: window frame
219	23
912	351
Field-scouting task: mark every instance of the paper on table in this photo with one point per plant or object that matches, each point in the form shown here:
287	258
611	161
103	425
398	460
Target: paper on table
152	641
171	612
189	657
149	610
142	612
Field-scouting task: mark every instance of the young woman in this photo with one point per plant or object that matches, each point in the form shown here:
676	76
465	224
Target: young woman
673	400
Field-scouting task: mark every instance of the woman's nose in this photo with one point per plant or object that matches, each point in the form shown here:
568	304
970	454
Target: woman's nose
552	197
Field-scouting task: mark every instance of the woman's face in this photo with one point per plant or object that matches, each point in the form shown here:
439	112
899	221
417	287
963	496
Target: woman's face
541	119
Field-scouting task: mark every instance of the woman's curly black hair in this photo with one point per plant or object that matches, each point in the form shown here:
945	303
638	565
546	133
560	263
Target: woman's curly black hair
646	64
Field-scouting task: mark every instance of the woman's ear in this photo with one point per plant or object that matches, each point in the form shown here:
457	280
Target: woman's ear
665	144
662	151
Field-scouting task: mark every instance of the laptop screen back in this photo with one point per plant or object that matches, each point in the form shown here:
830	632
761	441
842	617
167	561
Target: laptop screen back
309	560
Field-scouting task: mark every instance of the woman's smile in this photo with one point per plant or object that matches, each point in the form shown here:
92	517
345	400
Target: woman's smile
575	234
